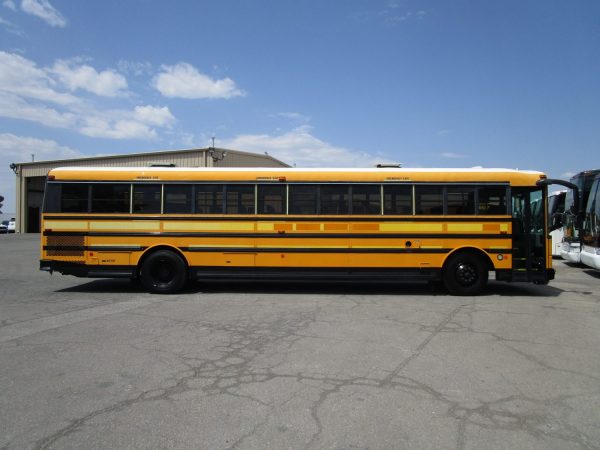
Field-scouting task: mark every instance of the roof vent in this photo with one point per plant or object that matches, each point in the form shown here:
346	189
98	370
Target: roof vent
389	166
161	164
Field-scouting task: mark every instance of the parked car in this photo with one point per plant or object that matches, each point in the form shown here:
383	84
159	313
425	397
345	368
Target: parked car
7	226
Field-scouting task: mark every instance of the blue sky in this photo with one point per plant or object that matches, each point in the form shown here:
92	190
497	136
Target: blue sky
428	83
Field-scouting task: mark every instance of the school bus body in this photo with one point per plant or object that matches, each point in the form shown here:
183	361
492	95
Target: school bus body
288	245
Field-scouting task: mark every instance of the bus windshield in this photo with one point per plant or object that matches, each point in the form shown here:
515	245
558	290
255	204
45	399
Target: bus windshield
591	225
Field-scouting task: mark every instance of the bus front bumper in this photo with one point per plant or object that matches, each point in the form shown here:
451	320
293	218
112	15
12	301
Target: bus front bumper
538	277
571	252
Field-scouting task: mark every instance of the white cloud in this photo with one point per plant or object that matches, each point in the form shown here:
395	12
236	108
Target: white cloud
11	27
16	107
300	147
104	127
19	149
45	11
154	115
452	155
107	83
135	68
28	92
22	77
567	175
10	4
184	81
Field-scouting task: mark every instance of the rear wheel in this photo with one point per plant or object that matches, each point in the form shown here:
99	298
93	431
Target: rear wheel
465	274
163	272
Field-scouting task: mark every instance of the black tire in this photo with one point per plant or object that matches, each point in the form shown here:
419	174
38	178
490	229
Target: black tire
465	274
163	272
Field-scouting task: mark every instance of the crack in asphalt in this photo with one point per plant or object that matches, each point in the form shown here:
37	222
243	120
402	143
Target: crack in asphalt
237	367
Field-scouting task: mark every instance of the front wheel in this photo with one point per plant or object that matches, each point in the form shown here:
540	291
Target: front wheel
465	274
163	272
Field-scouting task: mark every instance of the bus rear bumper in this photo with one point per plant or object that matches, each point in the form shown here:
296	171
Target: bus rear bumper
85	271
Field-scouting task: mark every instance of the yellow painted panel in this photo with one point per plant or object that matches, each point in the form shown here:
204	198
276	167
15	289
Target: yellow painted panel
411	227
465	227
265	226
65	225
151	225
208	226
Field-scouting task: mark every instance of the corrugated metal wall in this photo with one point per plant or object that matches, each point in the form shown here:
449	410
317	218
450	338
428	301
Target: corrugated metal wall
182	158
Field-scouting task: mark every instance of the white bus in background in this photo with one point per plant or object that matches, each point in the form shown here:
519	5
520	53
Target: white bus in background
556	211
571	248
590	252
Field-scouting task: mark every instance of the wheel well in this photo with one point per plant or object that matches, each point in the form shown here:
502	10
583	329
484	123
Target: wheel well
473	251
156	248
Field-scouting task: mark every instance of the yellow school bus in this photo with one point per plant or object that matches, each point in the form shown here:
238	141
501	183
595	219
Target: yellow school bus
164	226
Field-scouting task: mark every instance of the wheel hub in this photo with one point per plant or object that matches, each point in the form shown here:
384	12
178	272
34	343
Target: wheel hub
466	274
163	272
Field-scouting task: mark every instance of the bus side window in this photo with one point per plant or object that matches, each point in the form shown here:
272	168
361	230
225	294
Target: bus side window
178	199
303	198
239	199
146	198
397	199
366	199
429	200
460	200
74	198
110	198
335	199
271	199
492	200
52	198
209	198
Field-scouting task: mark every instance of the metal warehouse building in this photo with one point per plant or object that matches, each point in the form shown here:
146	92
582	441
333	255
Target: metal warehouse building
31	176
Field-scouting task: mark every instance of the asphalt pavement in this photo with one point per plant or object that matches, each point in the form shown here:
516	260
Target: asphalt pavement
101	364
